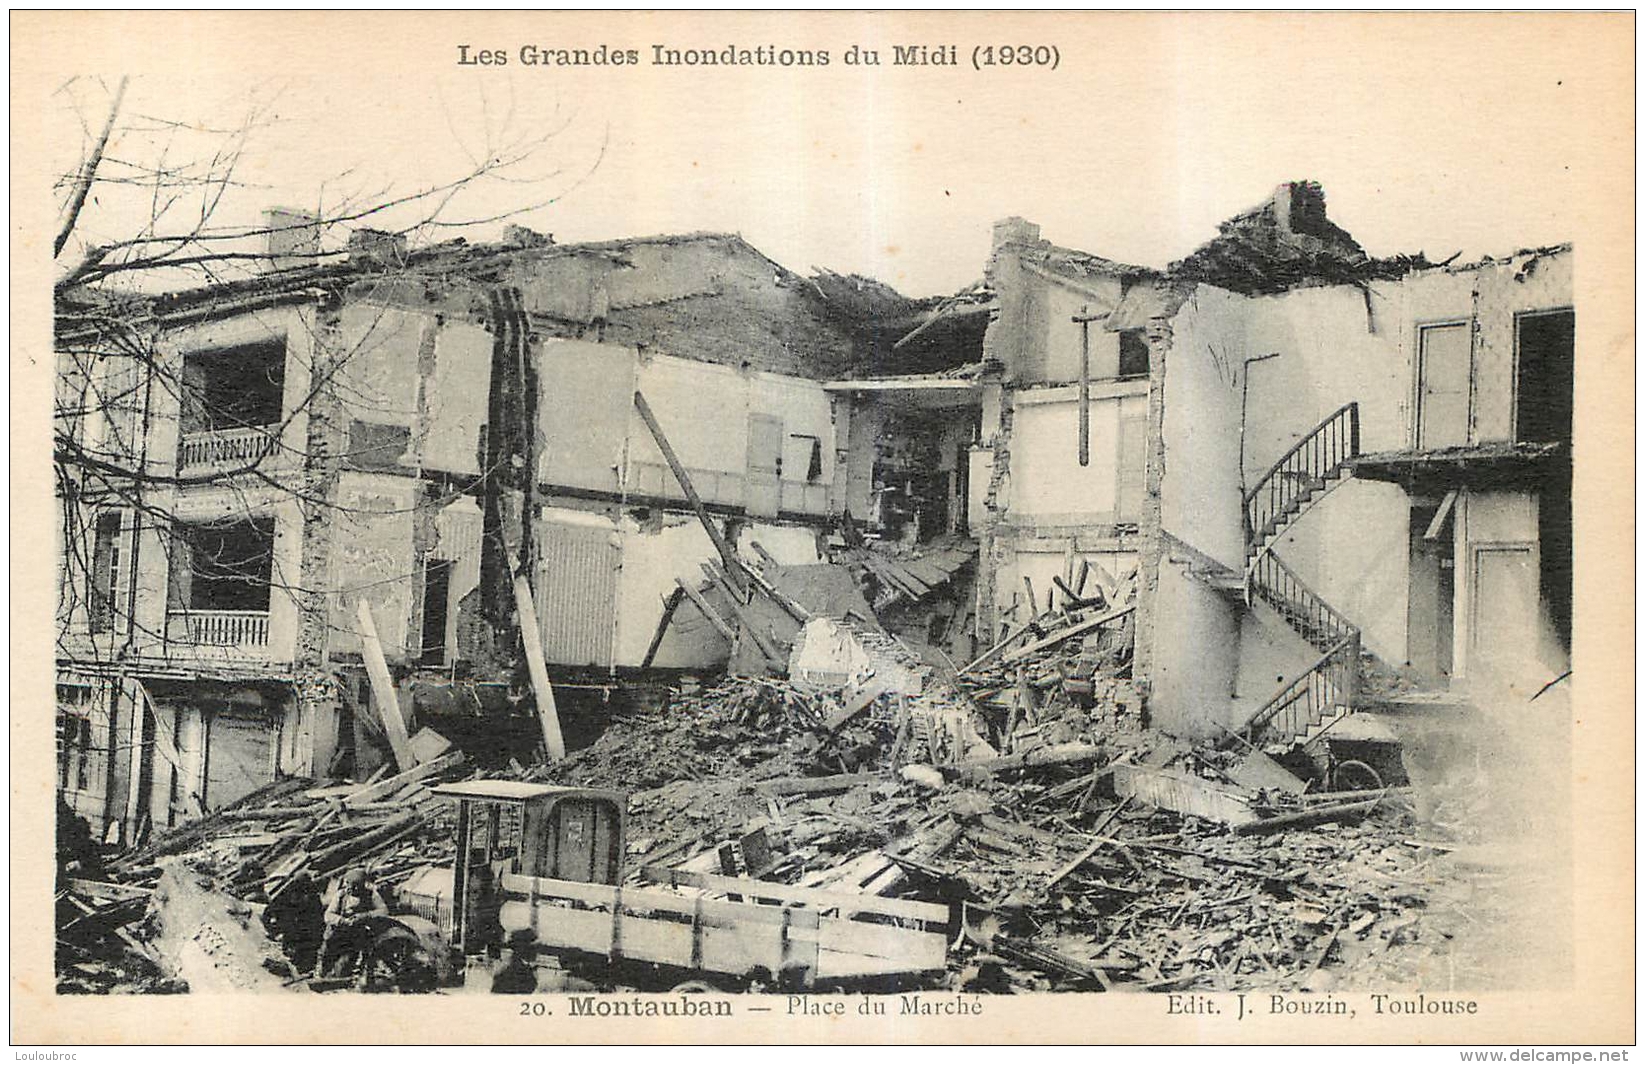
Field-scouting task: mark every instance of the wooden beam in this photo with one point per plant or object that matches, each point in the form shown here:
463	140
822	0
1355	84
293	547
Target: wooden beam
382	687
708	611
1033	600
1090	852
168	751
1085	385
671	603
368	793
744	618
729	557
531	636
1437	526
1062	634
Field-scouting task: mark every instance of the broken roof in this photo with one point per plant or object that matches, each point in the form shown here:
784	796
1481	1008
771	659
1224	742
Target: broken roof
862	305
1286	242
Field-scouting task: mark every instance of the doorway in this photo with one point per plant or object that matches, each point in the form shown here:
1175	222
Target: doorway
436	610
765	464
1443	374
1430	618
1544	376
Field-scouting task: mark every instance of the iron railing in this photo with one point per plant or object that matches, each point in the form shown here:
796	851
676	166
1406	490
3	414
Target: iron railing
225	628
1323	691
1301	474
227	448
1271	581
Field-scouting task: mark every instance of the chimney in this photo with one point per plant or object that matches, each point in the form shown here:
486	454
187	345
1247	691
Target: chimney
1015	230
293	237
1299	207
374	245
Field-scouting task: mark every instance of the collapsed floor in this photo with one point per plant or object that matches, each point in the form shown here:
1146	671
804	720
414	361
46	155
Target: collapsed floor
1075	848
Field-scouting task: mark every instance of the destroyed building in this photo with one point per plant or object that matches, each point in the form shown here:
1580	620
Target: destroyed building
1186	424
265	454
1040	609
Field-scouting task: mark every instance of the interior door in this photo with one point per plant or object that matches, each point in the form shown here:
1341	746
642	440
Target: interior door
765	464
1442	386
1502	622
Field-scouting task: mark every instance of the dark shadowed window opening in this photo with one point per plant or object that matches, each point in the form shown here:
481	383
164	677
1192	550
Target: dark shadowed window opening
436	610
1546	355
1133	353
223	565
234	387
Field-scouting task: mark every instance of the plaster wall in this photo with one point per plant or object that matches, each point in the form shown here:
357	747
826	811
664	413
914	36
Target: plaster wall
1193	683
1048	485
1200	486
373	558
1062	334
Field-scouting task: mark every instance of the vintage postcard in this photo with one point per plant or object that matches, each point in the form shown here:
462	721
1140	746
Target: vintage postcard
822	527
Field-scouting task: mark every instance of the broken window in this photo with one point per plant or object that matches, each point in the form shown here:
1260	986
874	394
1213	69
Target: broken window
235	387
77	752
106	565
225	565
1545	360
811	448
1133	353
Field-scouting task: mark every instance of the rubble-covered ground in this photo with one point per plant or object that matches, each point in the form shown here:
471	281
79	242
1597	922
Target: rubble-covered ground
1001	792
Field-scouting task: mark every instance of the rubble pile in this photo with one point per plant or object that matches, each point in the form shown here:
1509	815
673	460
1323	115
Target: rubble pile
1075	848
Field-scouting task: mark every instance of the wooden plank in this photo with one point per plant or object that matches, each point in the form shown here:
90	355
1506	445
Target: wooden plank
911	950
1089	852
1033	600
389	785
925	571
168	751
531	638
707	610
103	889
385	698
859	702
1437	526
1056	754
904	908
822	785
1066	633
729	557
1312	816
670	604
746	620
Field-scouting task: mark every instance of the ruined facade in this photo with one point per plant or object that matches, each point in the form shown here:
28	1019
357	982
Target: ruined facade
1339	481
1319	479
407	431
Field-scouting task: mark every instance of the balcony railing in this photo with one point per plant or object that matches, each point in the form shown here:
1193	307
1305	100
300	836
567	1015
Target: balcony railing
246	629
227	448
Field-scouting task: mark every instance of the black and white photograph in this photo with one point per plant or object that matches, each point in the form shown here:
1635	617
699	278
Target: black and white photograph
726	520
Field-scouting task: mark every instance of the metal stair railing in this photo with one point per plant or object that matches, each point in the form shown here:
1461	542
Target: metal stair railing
1301	475
1271	581
1321	692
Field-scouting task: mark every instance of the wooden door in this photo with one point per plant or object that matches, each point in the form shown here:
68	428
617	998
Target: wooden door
765	464
1502	620
1442	386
